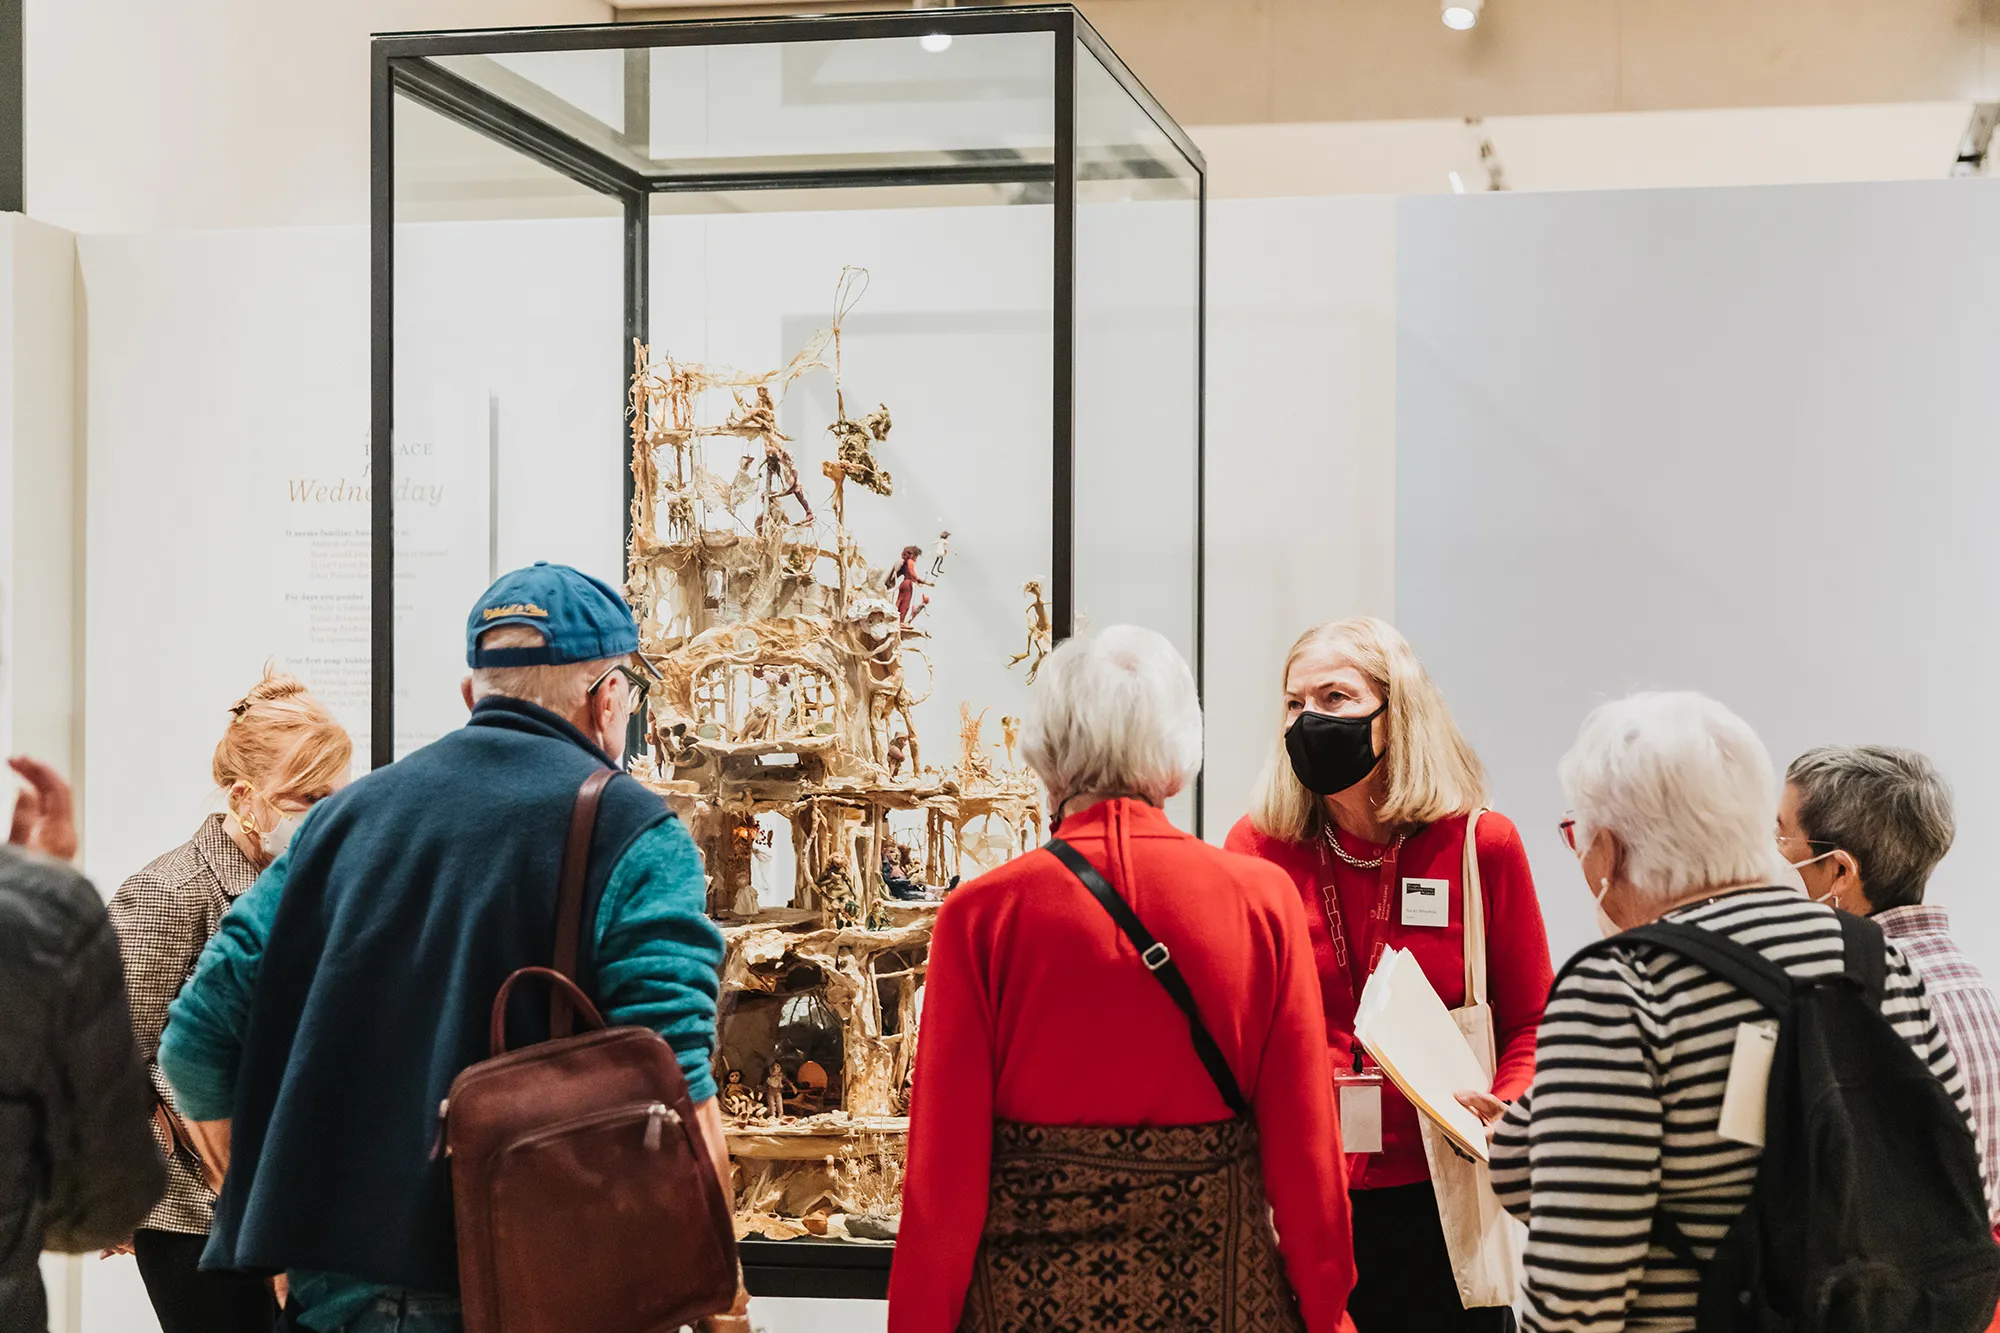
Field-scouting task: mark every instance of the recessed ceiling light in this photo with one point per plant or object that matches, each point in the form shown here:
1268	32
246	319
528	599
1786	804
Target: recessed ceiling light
1462	14
935	42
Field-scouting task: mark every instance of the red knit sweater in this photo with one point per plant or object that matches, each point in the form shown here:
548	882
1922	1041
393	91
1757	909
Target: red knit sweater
1037	1009
1517	954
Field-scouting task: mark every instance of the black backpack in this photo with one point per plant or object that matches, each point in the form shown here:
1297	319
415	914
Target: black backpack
1867	1215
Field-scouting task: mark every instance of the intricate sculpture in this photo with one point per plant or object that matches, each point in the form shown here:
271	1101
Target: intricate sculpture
837	897
1040	635
789	696
905	581
737	1099
853	441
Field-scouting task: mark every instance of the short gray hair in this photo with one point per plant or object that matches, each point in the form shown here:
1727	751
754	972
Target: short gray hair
1114	711
1685	786
560	689
1889	809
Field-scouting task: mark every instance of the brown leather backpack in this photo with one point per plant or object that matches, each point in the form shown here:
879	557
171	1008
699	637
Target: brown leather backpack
586	1198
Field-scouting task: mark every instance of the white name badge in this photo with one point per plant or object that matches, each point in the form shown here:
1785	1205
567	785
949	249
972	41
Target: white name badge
1426	902
1360	1112
1742	1119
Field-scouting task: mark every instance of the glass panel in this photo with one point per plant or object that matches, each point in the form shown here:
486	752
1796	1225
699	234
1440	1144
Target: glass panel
954	334
1138	311
882	101
509	376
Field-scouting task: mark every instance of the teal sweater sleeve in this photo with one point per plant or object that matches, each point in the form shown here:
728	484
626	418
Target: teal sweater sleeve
659	957
659	961
203	1041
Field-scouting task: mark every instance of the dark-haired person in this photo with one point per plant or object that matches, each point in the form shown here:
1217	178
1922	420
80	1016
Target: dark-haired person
1864	825
78	1165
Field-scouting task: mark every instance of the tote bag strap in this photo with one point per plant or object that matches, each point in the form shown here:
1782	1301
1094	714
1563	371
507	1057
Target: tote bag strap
1475	914
1161	964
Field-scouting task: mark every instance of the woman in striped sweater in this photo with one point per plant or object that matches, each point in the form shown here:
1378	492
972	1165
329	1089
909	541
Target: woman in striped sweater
1673	803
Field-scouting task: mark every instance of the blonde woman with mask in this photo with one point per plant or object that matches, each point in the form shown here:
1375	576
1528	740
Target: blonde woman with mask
1367	803
281	752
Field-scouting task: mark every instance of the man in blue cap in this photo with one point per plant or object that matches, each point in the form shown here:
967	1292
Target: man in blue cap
343	993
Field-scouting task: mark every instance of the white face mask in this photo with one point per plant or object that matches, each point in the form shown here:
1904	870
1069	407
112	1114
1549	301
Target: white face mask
1606	927
280	837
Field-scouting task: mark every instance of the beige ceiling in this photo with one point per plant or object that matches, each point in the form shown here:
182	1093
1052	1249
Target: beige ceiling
1220	62
1616	151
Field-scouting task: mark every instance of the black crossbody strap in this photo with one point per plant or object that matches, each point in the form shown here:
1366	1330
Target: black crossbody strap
1161	964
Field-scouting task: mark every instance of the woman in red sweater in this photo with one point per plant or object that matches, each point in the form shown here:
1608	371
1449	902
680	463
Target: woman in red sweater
1364	804
1073	1163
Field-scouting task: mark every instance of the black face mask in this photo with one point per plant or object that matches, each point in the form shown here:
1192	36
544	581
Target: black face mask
1331	754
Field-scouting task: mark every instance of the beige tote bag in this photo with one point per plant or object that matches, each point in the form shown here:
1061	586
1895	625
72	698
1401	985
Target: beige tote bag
1482	1238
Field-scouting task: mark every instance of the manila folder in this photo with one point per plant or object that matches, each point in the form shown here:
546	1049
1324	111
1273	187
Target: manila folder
1405	1027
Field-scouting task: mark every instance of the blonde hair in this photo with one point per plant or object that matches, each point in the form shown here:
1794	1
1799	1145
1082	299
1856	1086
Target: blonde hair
1432	770
282	741
561	689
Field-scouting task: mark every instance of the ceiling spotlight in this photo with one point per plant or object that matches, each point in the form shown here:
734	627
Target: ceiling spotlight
1462	14
935	42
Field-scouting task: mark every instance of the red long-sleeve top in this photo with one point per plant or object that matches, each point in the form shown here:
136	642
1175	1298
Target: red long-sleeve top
1037	1009
1518	974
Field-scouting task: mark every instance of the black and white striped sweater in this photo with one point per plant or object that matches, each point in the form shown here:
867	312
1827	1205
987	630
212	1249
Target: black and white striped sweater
1630	1065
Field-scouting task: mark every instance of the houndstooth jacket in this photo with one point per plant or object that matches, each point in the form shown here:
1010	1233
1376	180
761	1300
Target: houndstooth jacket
164	915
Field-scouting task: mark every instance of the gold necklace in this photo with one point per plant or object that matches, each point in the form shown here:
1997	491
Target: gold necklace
1333	841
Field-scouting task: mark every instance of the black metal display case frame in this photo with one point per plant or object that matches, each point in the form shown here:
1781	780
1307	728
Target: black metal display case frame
405	64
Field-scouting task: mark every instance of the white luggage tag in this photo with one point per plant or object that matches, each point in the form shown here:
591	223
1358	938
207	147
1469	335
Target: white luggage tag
1742	1119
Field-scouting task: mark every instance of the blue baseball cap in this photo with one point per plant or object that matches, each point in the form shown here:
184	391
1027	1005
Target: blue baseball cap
581	619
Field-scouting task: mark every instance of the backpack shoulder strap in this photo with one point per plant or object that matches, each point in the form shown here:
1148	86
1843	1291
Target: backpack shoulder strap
1867	955
1739	965
569	900
1161	964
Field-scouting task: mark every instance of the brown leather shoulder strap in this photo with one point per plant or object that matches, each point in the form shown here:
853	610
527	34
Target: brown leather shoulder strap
569	902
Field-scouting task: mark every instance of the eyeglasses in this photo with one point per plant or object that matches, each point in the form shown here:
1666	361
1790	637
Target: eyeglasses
1568	830
636	685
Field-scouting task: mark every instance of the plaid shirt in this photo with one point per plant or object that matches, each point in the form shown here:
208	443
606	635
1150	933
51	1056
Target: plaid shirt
164	915
1966	1014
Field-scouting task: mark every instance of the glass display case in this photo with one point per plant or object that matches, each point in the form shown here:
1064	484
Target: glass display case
865	352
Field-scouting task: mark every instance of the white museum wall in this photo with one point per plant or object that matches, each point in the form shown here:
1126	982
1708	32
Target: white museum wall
142	116
1738	441
1301	453
39	591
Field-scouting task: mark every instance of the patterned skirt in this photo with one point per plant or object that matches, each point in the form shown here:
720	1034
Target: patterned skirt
1162	1228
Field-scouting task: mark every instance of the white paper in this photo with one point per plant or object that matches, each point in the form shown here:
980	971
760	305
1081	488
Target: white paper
1406	1029
1742	1119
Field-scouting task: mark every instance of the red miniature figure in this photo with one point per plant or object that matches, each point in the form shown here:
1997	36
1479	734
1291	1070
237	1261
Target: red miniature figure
908	581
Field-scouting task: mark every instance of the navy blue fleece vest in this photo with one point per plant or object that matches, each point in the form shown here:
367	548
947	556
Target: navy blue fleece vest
410	897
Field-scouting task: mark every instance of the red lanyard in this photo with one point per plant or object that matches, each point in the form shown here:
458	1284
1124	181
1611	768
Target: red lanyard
1376	940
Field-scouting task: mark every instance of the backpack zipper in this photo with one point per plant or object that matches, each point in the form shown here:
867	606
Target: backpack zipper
658	1116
